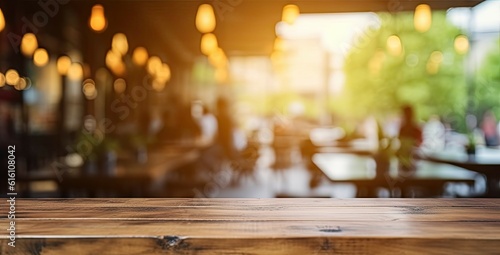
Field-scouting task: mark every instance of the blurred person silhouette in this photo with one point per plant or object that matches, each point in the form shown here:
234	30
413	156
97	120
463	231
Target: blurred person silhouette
410	137
489	127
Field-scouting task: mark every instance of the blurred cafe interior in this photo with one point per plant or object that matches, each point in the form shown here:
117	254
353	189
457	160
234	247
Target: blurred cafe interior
251	98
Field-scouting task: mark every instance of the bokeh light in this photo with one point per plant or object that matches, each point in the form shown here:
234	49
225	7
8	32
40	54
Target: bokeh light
40	57
29	44
461	44
63	65
290	13
11	77
119	43
394	46
422	18
120	85
97	20
2	80
205	19
208	43
140	56
2	21
75	72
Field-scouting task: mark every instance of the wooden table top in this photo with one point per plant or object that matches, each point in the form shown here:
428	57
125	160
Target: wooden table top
254	226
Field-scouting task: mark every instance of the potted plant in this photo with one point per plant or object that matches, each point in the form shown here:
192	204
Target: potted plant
470	148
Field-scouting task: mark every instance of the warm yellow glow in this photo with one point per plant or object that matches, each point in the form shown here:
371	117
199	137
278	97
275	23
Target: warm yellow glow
2	21
218	58
11	77
63	65
89	90
2	80
436	57
461	44
29	44
21	84
434	62
140	56
119	69
276	56
279	44
97	20
75	72
394	46
432	68
119	43
120	85
376	62
158	85
163	74
205	18
113	59
154	65
221	75
290	13
208	43
422	18
40	57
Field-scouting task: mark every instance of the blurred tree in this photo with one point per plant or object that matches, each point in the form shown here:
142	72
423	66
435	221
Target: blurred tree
395	65
487	87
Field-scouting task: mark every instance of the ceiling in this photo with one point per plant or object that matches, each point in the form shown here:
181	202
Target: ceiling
244	27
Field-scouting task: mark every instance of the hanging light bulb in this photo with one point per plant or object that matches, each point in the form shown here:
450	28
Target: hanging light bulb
461	44
394	46
140	56
422	18
290	13
208	43
40	57
97	20
119	43
29	44
2	21
205	19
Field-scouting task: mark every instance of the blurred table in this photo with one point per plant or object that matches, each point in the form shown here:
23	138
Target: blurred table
486	161
127	179
254	226
360	169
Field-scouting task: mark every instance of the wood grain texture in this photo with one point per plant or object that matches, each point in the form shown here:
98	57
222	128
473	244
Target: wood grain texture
255	226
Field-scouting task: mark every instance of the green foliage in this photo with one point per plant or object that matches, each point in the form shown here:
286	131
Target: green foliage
378	83
487	86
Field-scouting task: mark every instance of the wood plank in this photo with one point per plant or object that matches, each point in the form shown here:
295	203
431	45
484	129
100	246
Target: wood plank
79	228
252	202
209	246
255	226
